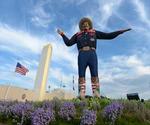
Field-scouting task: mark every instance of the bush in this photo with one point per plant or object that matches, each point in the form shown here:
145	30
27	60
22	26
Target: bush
112	112
88	117
42	116
67	111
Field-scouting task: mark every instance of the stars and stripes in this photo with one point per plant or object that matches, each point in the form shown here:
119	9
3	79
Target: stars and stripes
21	69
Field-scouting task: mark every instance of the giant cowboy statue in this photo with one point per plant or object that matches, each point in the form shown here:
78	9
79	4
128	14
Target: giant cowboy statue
86	40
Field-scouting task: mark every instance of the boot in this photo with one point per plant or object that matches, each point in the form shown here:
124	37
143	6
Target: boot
82	87
95	87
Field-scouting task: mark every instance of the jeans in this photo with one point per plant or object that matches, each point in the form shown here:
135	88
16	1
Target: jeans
87	58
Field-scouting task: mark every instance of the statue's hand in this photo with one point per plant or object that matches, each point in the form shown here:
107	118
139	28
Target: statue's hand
125	30
59	31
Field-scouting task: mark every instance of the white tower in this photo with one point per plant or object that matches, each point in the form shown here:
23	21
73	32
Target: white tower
42	73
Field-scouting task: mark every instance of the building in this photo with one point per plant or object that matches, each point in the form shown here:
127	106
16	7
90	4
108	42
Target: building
15	93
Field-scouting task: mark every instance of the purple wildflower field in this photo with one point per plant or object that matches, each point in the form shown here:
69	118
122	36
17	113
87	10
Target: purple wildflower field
75	112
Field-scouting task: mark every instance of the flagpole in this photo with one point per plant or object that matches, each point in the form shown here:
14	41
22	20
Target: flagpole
8	88
73	84
7	91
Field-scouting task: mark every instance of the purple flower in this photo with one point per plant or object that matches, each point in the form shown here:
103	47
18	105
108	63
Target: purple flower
67	111
112	112
5	108
21	109
21	112
42	116
88	117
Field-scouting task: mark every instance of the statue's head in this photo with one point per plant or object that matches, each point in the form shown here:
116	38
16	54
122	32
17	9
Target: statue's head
85	24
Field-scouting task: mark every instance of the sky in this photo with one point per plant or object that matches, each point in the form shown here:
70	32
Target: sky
123	63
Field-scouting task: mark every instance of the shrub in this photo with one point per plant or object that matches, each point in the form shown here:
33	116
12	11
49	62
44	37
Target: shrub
21	112
112	112
94	104
130	106
42	116
67	111
5	108
88	117
139	109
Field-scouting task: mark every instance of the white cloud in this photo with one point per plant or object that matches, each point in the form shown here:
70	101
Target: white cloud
32	44
122	71
60	75
140	8
11	38
143	70
39	15
106	10
39	21
133	63
75	2
62	53
8	49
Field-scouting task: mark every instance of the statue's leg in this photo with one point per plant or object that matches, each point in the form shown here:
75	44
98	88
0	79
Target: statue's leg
93	65
82	64
82	87
95	86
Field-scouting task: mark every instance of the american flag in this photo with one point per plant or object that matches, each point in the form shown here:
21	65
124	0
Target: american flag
21	69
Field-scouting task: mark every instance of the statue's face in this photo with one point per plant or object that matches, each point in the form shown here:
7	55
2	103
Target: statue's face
85	26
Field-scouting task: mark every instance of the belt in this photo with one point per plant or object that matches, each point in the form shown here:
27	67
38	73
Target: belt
87	48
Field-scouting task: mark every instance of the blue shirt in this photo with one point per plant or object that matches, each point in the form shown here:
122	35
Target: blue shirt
88	38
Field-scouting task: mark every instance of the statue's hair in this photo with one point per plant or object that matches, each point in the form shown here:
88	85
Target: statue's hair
85	19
